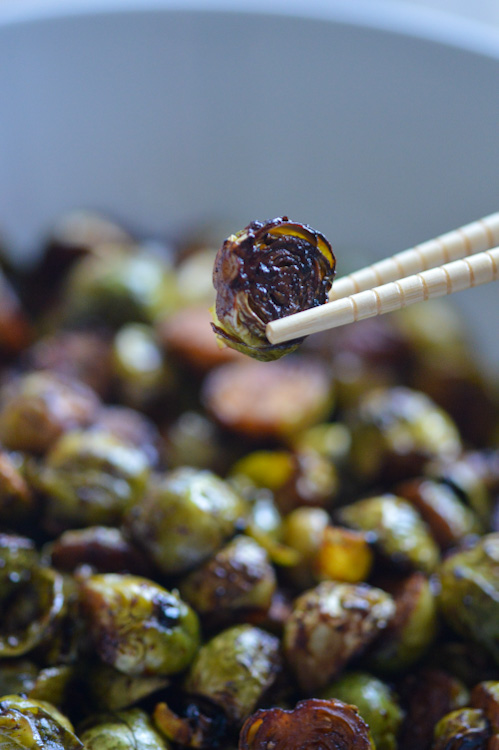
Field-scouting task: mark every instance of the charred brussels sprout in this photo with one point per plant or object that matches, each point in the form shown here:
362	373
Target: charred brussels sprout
331	624
34	725
36	409
469	597
325	724
464	729
185	517
398	530
396	430
91	478
267	271
103	549
376	702
238	579
137	626
235	669
126	730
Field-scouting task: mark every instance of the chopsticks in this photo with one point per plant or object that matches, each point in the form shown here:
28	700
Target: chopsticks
470	257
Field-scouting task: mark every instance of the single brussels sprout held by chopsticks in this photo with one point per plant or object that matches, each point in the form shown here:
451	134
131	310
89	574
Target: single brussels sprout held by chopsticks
267	271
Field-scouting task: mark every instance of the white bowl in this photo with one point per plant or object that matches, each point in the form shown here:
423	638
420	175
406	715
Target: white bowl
376	124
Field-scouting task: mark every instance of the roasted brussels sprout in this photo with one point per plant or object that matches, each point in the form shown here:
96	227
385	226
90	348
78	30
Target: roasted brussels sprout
238	579
398	530
131	427
194	440
31	611
411	631
469	596
103	549
137	626
328	724
37	408
123	730
485	696
194	727
269	401
17	501
395	431
266	271
463	729
34	725
90	478
117	286
331	624
113	690
185	517
18	558
376	702
235	669
448	518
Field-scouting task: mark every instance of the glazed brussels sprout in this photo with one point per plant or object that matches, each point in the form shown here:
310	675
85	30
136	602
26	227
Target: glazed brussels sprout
137	626
185	517
131	427
396	430
103	549
266	271
238	579
37	408
235	669
469	596
124	730
91	478
463	729
34	725
195	727
331	624
398	530
328	724
269	401
18	558
376	702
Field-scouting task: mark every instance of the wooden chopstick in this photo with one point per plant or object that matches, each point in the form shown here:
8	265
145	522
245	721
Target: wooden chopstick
476	269
467	240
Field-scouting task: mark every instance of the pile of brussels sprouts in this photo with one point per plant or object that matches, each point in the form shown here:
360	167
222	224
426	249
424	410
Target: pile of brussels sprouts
198	550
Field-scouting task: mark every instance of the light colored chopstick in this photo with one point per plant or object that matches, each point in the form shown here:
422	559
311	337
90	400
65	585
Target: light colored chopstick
467	240
456	276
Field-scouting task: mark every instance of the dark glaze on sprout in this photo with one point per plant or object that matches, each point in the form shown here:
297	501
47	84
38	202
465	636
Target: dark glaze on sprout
268	270
325	724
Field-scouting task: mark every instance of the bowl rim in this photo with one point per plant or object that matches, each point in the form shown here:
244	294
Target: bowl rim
406	19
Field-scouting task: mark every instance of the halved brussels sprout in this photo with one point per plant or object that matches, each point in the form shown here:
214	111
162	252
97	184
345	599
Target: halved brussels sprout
137	626
34	725
267	271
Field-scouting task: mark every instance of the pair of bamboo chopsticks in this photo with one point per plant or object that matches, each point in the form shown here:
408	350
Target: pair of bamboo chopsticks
470	257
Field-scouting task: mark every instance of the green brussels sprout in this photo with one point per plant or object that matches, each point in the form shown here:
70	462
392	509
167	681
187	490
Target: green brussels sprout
91	478
117	286
34	725
412	630
31	612
377	704
332	440
139	367
124	730
37	408
267	271
137	626
24	677
193	440
114	690
396	431
17	676
469	596
398	530
18	558
17	502
464	729
238	579
185	517
234	670
329	625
